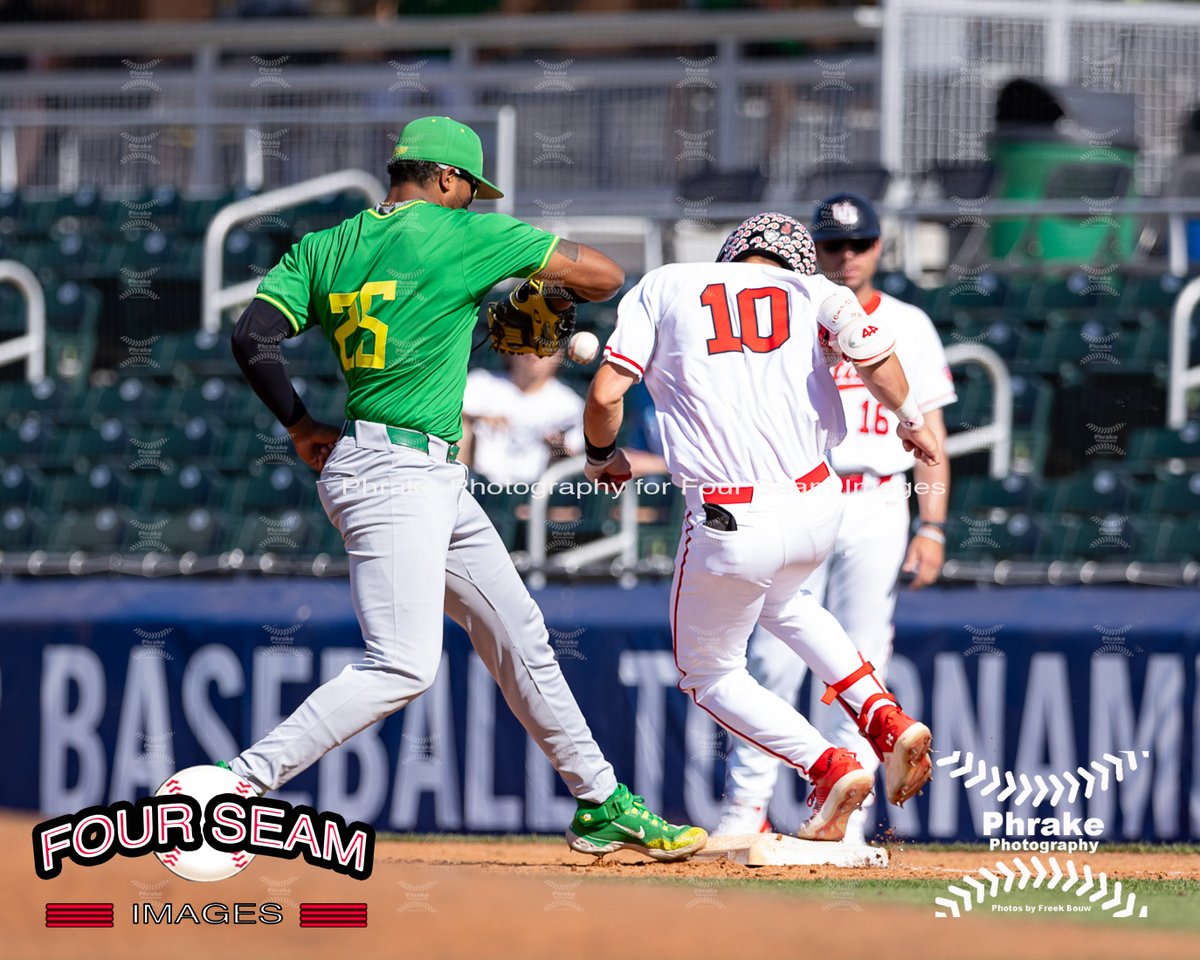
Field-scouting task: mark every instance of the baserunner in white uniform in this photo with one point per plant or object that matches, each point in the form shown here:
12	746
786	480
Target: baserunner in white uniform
858	580
731	354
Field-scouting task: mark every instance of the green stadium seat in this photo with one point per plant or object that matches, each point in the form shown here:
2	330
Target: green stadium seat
283	532
47	398
274	488
1154	536
1155	292
196	213
1183	541
20	528
26	440
995	332
1092	344
91	531
107	441
1057	538
1152	444
201	355
193	531
128	398
19	485
188	486
979	538
91	487
1112	538
1094	492
1173	493
980	494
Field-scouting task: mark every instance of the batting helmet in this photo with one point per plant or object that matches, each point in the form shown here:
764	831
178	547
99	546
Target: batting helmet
774	235
844	216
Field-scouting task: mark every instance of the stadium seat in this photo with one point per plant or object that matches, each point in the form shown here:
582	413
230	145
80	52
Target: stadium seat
979	538
128	398
26	440
1153	444
1057	538
284	532
19	484
107	441
189	486
1173	493
93	486
1153	292
982	494
1111	537
192	531
20	528
92	531
1183	541
275	488
1094	492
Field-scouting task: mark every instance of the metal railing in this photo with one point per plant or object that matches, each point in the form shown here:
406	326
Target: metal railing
232	103
621	547
31	345
997	435
1182	377
215	296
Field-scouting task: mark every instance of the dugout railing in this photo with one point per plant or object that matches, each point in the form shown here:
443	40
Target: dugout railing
31	345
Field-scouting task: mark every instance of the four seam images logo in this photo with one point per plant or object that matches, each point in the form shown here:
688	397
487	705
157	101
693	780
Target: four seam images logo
204	823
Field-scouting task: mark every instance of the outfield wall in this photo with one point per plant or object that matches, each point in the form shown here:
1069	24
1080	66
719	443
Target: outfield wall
107	686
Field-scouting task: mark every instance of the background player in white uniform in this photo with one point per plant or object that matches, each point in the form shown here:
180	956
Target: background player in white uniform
732	356
858	580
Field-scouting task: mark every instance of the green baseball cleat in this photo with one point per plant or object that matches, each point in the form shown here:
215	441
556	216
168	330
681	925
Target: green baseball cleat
622	822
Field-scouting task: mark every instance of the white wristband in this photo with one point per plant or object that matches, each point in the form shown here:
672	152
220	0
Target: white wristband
910	414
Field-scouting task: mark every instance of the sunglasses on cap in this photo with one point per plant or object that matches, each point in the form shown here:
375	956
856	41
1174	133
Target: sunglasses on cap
857	244
471	181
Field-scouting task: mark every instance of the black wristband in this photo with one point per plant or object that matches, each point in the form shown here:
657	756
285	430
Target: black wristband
936	524
599	454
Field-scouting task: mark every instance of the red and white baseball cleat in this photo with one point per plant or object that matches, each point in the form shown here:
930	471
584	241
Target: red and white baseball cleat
903	745
739	819
840	785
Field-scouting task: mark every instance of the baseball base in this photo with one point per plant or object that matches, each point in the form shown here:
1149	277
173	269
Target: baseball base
777	849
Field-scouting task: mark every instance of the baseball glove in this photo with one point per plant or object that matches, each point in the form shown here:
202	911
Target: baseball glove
525	323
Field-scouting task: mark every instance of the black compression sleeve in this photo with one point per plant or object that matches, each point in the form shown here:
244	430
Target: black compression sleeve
255	343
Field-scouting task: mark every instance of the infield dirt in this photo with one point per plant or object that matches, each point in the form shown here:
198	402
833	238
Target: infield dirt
434	899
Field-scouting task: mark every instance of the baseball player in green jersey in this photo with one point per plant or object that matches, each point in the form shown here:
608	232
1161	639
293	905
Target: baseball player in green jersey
396	290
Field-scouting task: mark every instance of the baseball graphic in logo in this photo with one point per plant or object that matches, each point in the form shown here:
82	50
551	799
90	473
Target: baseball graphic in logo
202	783
845	213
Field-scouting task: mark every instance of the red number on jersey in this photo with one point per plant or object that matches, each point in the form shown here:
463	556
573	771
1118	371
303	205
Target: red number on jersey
724	340
881	422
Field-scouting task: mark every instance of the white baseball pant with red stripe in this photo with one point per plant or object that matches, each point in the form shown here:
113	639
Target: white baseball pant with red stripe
726	581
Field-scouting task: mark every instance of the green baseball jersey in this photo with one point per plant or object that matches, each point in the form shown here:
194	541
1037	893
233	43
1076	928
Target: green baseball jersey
398	296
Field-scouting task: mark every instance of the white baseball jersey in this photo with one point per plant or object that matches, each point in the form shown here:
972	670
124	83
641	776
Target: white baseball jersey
871	445
730	354
516	451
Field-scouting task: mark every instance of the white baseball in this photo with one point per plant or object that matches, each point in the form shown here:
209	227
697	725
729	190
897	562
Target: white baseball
202	784
583	347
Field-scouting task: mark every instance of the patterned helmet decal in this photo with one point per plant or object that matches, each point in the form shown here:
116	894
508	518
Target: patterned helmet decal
776	234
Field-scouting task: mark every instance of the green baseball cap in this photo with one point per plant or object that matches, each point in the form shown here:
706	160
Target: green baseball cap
444	140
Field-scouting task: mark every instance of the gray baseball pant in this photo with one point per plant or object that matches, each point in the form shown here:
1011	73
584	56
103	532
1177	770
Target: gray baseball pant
421	547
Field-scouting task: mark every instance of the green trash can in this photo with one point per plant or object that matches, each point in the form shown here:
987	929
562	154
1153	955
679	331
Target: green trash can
1064	143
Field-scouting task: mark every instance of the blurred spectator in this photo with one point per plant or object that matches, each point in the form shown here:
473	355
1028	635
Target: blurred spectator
515	423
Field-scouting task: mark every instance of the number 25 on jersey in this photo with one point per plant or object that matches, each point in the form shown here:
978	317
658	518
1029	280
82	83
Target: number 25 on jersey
357	305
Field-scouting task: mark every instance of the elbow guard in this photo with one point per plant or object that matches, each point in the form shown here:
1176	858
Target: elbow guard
867	342
862	339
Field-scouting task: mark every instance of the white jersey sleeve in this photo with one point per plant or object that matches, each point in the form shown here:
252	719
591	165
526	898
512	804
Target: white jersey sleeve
730	355
871	445
632	343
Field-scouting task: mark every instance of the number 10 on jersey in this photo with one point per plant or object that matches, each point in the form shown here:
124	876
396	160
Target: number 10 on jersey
724	340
